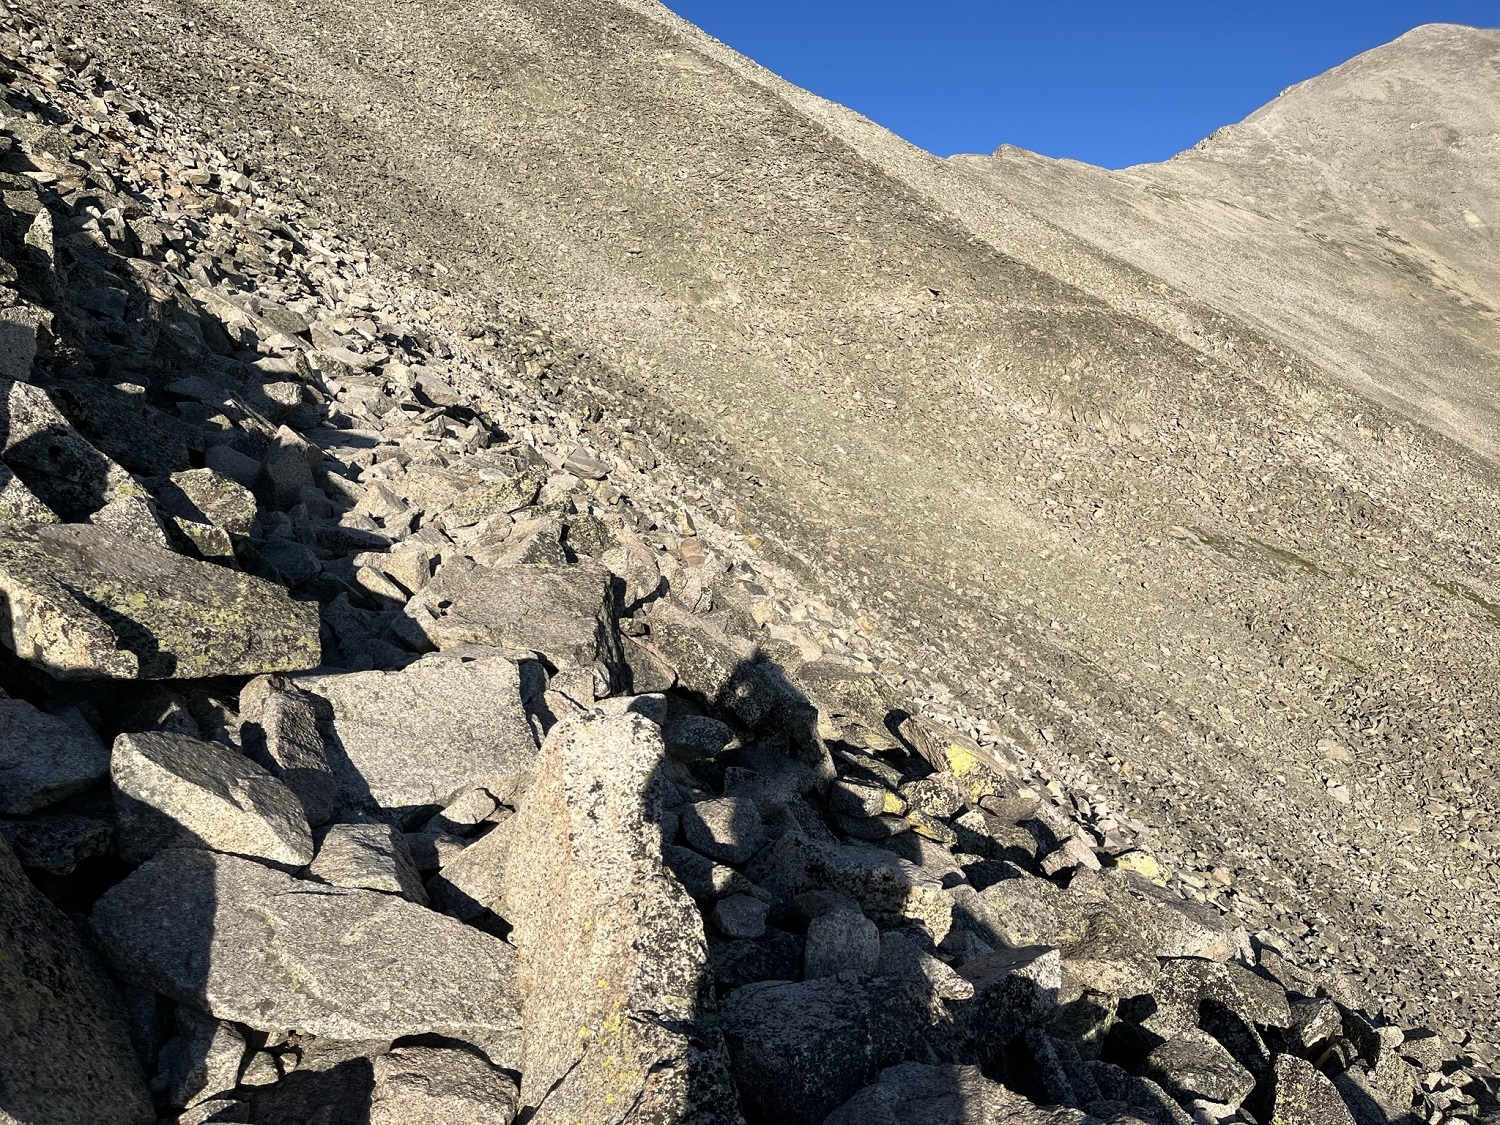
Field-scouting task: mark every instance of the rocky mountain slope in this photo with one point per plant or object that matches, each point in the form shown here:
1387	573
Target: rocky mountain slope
547	571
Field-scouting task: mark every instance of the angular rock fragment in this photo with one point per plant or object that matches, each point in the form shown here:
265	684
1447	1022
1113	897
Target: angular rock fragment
472	883
914	1093
613	954
65	1052
373	857
885	886
1304	1096
841	941
728	829
209	497
1011	990
565	613
175	791
1193	1064
58	842
422	1085
19	505
800	1050
86	603
721	669
44	758
279	729
203	1061
406	742
54	461
256	946
741	916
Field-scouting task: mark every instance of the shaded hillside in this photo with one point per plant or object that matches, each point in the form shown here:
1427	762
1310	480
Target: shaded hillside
1219	549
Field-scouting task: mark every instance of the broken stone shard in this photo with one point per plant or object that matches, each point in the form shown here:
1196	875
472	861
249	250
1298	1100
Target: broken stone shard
174	791
83	602
405	743
256	946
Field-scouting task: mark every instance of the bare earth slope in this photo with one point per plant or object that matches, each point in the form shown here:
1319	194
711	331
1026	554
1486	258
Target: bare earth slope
1221	546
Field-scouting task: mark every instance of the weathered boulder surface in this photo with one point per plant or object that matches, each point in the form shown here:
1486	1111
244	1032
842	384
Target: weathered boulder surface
84	602
616	1000
422	1085
65	1053
944	1095
801	1049
373	857
279	729
175	791
256	946
563	612
44	758
1304	1096
406	742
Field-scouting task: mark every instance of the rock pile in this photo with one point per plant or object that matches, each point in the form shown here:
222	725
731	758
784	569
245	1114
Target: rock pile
397	766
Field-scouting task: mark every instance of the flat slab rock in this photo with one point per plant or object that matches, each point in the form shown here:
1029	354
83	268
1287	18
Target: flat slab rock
613	956
563	612
405	743
173	791
65	1054
86	603
259	947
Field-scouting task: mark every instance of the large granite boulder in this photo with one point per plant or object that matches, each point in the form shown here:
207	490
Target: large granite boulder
256	946
566	613
175	791
405	743
44	758
84	602
65	1053
617	1004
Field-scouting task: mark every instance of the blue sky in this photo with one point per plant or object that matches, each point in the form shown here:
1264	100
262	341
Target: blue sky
1114	83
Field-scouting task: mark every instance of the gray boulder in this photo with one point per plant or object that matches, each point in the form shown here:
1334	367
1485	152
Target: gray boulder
374	857
44	758
175	791
618	1010
944	1095
1193	1064
19	505
1304	1096
886	887
255	946
203	1060
279	729
728	829
722	669
405	743
423	1085
472	883
841	941
800	1050
84	602
65	1053
566	613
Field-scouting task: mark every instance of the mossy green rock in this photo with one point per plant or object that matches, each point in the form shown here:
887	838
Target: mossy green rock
86	603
